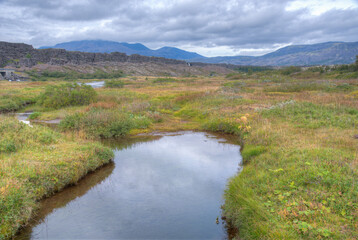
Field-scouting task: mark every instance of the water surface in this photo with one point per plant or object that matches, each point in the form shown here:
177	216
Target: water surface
23	117
161	187
96	84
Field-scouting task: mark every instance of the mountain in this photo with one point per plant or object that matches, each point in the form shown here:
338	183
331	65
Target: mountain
101	46
299	55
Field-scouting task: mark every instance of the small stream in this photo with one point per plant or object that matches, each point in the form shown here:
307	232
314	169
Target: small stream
164	186
23	117
97	84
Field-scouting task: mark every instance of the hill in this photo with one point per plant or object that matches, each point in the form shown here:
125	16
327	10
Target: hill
101	46
297	55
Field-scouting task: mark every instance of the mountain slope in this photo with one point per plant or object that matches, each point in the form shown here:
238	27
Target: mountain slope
299	55
101	46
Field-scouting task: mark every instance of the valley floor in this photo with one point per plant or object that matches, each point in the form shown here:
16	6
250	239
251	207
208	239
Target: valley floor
299	134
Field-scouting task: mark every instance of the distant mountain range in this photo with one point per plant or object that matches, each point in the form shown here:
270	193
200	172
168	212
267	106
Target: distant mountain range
299	55
101	46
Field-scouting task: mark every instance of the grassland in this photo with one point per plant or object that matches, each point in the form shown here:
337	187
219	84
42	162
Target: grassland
298	129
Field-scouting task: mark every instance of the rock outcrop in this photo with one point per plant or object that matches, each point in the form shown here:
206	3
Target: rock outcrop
23	55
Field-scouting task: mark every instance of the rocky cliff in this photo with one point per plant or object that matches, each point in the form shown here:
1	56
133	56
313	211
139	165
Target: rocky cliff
23	55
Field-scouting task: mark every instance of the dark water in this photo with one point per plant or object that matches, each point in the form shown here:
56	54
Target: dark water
162	187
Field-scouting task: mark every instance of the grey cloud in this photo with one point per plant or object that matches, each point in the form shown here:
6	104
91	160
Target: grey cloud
203	23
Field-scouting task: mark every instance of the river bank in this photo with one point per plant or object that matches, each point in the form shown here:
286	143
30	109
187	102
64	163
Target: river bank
158	185
36	162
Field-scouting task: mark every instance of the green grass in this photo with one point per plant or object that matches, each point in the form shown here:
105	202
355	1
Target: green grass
302	194
66	75
164	80
114	83
14	100
68	94
300	155
101	123
36	162
310	86
251	151
309	115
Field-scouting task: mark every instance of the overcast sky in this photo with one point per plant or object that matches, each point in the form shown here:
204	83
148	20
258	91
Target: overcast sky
209	27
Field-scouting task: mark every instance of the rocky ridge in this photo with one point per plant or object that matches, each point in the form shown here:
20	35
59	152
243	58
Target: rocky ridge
24	55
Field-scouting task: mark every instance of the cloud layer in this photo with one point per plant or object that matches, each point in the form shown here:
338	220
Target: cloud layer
210	27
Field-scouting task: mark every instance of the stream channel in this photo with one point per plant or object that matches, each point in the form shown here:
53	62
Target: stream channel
162	186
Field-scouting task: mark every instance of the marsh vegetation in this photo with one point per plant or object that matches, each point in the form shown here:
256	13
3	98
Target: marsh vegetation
298	128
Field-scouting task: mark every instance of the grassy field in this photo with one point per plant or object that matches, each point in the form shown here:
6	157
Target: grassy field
298	128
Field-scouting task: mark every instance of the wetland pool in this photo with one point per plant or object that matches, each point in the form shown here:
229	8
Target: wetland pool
163	186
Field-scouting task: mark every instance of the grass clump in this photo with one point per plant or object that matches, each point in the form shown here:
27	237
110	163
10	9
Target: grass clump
36	162
15	100
102	123
237	126
69	94
250	151
34	115
114	83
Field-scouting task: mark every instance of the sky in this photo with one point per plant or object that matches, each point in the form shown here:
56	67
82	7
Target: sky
208	27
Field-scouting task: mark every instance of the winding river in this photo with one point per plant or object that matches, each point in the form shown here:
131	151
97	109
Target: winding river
164	186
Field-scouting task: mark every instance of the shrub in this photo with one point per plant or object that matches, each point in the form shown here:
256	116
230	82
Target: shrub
103	123
114	83
69	94
239	126
8	105
7	145
290	70
14	100
71	122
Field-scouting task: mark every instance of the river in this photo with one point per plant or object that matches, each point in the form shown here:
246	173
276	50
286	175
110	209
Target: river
164	186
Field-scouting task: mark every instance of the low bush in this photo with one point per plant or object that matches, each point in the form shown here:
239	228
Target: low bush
290	70
11	103
102	123
236	126
7	145
69	94
114	83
